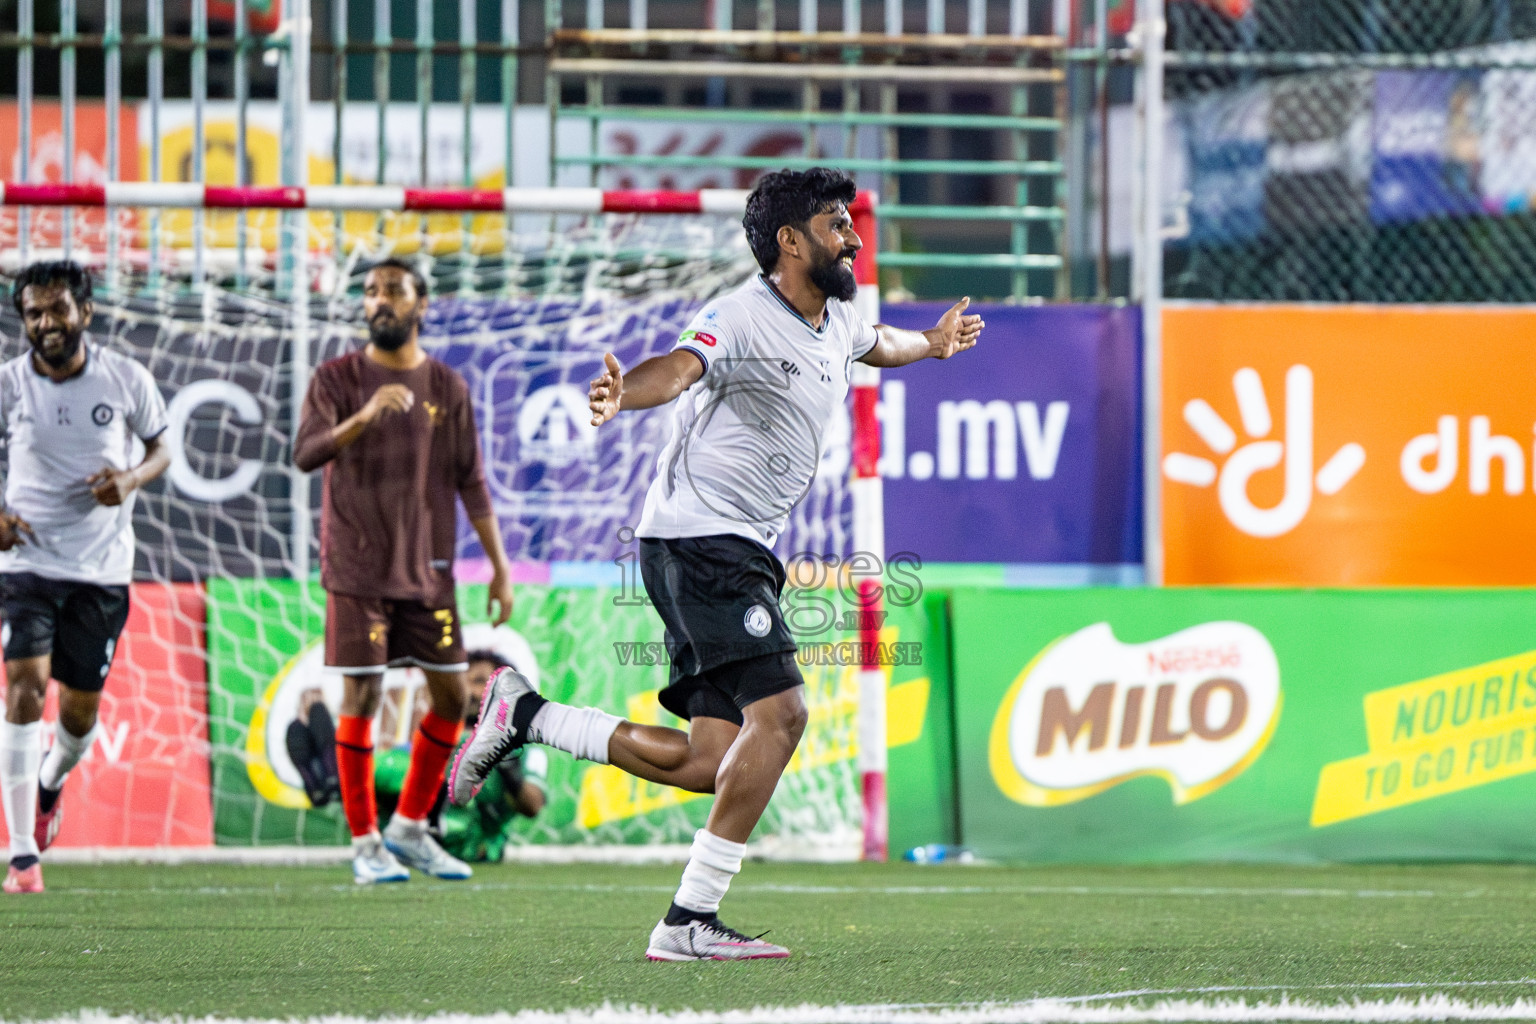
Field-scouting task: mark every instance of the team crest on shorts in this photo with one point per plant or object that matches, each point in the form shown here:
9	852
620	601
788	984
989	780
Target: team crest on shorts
757	620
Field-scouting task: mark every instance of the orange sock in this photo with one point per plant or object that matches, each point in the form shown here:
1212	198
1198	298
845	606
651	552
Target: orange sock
354	768
430	750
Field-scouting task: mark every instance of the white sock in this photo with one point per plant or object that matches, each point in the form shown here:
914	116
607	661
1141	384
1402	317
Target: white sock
584	732
19	747
409	824
66	752
712	863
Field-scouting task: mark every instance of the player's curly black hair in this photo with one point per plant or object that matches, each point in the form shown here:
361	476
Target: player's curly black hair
793	198
486	654
45	272
423	290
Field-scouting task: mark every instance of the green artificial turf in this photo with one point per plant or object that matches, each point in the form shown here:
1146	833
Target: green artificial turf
271	942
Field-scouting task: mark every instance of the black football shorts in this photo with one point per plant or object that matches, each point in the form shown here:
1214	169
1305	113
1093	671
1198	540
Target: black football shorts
77	623
718	597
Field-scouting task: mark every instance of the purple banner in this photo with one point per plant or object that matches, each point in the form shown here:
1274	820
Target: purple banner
1025	449
565	491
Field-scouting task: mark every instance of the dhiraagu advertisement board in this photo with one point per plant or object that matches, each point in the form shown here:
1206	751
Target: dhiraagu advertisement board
1164	725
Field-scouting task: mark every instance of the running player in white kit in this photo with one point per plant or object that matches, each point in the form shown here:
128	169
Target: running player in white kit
71	410
757	377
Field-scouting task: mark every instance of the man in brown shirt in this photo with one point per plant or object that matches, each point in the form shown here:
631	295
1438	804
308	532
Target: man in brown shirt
395	431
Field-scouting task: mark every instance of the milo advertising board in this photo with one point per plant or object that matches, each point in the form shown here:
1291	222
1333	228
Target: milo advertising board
1142	725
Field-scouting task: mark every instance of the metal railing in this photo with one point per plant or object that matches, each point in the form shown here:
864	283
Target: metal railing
1022	190
956	112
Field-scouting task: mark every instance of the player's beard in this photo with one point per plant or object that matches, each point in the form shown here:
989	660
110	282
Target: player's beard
834	279
389	334
60	355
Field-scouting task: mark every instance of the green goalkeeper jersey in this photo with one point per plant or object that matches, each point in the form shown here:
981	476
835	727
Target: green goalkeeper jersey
478	832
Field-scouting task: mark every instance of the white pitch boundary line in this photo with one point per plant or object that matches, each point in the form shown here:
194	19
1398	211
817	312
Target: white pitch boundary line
1365	986
811	890
1435	1006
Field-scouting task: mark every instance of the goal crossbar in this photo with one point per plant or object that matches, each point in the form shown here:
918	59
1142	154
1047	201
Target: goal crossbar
352	198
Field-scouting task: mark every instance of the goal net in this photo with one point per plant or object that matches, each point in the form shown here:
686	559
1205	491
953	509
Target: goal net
231	311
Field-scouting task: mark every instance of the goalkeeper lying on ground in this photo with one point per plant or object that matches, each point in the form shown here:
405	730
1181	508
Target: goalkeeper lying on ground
517	786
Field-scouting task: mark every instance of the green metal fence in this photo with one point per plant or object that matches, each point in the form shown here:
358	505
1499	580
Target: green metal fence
956	112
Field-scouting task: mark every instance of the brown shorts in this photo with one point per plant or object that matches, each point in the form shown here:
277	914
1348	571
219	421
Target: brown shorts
363	635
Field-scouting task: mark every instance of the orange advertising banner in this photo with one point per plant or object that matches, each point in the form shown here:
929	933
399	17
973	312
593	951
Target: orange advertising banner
1349	445
145	781
45	163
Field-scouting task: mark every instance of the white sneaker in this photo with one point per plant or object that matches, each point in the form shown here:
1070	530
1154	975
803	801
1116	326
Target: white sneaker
416	849
708	940
506	710
372	863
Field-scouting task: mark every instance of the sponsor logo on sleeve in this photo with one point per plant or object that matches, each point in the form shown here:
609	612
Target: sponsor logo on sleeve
699	336
1195	708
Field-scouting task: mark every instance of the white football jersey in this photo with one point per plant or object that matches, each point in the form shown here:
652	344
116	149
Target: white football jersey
57	435
747	437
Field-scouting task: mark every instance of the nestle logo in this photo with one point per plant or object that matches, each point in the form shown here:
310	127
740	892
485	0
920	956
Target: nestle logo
1193	659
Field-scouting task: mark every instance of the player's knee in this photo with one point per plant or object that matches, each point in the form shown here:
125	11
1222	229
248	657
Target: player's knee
793	716
449	704
25	689
360	695
449	693
783	716
77	719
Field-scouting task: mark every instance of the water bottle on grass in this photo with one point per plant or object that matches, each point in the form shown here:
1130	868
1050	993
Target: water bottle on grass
939	853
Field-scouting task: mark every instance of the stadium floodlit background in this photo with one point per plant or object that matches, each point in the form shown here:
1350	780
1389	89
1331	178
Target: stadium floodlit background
1205	620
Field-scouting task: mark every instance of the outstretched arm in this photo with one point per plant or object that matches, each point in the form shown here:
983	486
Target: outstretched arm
955	332
654	382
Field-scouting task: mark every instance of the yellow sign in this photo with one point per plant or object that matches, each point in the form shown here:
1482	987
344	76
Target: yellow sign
1436	736
609	794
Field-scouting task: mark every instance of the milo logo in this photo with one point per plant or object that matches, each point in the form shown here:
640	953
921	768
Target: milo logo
1089	712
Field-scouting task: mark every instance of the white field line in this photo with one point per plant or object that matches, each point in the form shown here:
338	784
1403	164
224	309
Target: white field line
1152	892
289	855
830	850
1436	1006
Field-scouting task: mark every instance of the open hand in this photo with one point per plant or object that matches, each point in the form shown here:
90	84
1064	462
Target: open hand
11	529
955	332
112	486
606	391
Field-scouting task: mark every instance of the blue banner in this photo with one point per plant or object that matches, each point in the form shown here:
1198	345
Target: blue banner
1427	141
1026	449
1228	139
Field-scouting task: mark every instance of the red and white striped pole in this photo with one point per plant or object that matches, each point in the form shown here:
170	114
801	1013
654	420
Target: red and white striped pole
343	198
869	541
